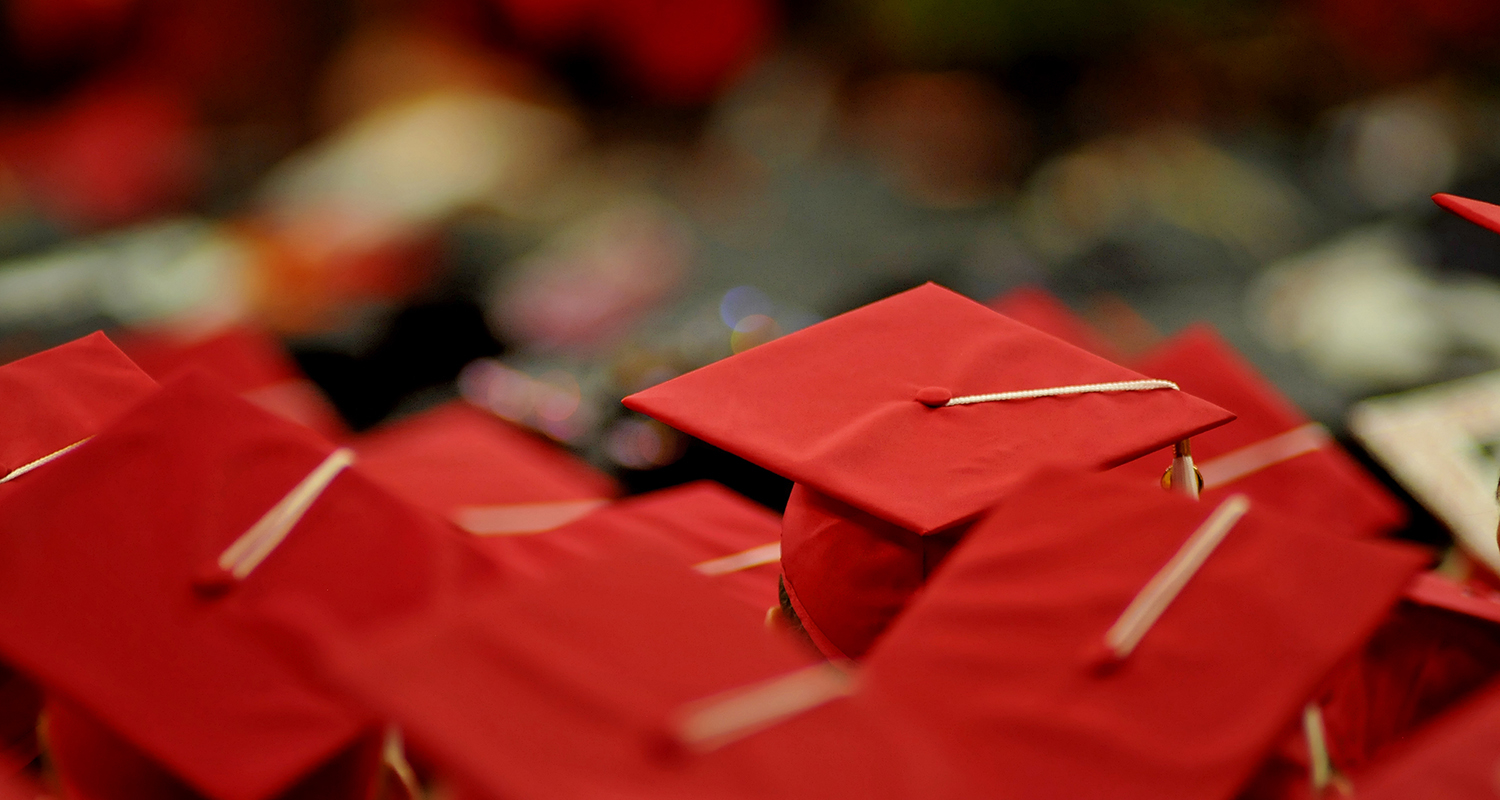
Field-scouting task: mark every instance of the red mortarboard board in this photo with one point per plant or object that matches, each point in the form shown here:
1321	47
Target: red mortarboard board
1018	653
51	401
1272	452
613	679
129	604
702	524
59	397
249	361
482	473
1454	758
1486	215
835	407
842	408
1038	308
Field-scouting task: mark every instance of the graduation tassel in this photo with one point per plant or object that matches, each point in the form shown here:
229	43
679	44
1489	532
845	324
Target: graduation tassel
46	459
1182	464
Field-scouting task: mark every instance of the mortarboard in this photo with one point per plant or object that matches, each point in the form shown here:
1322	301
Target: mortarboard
1454	758
248	360
1272	452
918	412
480	472
1038	308
1092	637
702	524
627	676
51	402
144	605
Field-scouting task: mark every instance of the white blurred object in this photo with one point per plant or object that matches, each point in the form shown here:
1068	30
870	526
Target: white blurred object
1170	175
1436	441
414	163
1399	149
166	271
1357	310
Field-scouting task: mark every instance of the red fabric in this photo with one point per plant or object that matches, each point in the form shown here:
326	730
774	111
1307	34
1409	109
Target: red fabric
998	654
98	600
250	361
95	764
1452	759
1325	488
62	396
457	456
694	524
848	574
1041	310
1486	215
568	689
833	407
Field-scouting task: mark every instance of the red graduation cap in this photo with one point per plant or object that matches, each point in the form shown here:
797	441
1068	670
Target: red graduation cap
1096	638
248	360
1272	452
1486	215
482	473
904	418
628	676
1038	308
703	525
51	401
1453	759
144	606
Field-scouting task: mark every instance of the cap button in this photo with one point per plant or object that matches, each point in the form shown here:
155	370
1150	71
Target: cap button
213	581
934	396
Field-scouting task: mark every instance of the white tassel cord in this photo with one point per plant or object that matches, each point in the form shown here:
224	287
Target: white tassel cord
716	721
1149	604
747	559
1062	391
247	552
46	459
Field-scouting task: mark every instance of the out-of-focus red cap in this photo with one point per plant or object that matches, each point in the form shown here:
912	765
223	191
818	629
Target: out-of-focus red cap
59	397
860	411
1485	215
1092	637
144	605
248	360
482	473
628	676
702	524
1038	308
1272	452
1454	758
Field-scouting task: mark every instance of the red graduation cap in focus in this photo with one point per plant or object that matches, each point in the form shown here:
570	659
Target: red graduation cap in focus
249	361
1096	638
145	605
480	472
703	525
628	676
1272	452
905	418
52	401
1485	215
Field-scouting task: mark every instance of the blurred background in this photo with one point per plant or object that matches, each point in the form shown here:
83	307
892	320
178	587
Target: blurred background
544	205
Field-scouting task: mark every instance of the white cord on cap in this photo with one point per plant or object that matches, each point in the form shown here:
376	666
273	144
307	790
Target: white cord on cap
25	468
745	559
1164	586
1059	391
246	553
1267	452
1319	766
716	721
